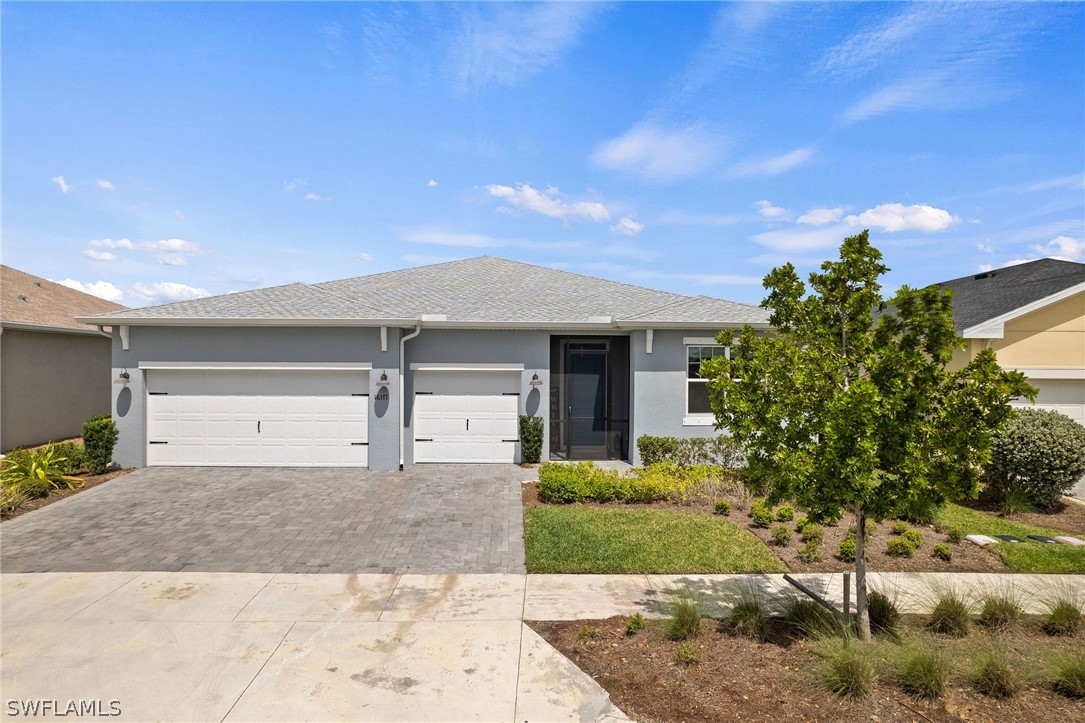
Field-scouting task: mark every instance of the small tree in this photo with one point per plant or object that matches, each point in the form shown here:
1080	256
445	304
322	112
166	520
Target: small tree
842	409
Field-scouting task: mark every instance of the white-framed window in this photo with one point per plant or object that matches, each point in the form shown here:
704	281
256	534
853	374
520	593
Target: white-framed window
698	409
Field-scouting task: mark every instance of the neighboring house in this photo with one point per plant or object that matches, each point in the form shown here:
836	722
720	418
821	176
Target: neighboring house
54	370
1033	316
430	364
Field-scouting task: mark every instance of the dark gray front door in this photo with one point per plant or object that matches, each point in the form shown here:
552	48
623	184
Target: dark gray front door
587	365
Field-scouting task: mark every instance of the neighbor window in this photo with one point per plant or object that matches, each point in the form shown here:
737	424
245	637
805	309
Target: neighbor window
697	386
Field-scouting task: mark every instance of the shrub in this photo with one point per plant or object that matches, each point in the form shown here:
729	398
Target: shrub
588	634
849	671
883	613
722	507
999	612
36	473
813	532
634	624
685	620
1015	501
73	455
846	549
869	527
995	677
801	523
1069	674
761	514
920	512
722	451
809	620
785	514
781	535
955	534
950	615
686	655
1039	452
565	483
809	552
531	438
899	527
915	537
942	552
747	618
924	673
667	480
899	547
99	438
1064	616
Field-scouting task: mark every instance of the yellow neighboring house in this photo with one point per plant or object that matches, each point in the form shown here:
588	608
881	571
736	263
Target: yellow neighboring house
1033	316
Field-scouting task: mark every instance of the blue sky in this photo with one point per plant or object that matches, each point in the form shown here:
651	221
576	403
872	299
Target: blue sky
152	152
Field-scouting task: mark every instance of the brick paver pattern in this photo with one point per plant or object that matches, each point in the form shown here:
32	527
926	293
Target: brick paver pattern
427	519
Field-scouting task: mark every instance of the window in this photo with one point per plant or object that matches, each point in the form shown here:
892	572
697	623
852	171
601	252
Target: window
696	386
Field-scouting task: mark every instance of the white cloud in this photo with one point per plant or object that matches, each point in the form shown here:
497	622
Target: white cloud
505	44
661	155
1063	248
104	184
868	47
172	251
822	216
95	255
985	248
291	185
364	257
641	274
767	210
549	203
1074	182
101	289
772	165
796	239
106	243
431	184
160	292
314	197
893	217
627	227
64	187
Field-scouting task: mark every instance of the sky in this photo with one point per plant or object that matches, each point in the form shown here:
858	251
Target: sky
153	152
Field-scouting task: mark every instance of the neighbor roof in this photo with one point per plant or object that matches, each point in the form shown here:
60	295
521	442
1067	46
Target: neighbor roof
483	291
28	300
991	294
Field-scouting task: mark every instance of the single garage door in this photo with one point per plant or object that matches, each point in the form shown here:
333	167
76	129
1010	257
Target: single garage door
1066	396
466	416
257	417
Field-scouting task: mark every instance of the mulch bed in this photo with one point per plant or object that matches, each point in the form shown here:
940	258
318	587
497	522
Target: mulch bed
738	679
89	481
966	556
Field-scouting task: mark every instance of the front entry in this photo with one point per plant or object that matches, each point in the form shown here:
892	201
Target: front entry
589	398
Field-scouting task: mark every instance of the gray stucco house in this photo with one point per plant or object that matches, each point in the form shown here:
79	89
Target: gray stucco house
429	364
54	370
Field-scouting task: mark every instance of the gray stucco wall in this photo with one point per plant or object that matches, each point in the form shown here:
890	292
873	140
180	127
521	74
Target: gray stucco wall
50	383
259	344
457	346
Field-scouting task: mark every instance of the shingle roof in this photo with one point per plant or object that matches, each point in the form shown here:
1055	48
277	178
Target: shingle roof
991	294
29	299
484	289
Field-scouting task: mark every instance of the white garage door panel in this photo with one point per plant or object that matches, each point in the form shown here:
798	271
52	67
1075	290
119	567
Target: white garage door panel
257	418
466	416
1066	396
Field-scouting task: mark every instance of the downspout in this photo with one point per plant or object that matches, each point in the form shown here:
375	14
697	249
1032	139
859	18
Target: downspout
403	387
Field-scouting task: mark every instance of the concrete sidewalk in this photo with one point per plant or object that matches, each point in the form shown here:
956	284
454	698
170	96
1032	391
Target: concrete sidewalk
292	647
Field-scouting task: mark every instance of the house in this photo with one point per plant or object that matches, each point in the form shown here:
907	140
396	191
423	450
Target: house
54	370
428	364
1033	316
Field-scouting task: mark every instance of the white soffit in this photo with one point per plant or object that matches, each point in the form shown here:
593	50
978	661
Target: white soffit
260	366
442	367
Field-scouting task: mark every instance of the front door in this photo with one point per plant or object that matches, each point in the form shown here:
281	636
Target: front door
586	379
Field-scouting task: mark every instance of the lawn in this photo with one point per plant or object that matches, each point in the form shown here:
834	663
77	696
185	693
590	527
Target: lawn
1027	557
600	540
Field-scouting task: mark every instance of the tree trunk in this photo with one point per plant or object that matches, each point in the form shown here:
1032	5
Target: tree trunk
860	573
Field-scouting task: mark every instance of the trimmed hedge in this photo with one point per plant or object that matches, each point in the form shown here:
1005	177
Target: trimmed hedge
531	438
1038	452
583	481
99	438
722	451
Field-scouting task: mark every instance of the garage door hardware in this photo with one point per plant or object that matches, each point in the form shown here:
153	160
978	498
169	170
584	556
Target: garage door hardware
510	440
158	393
359	395
423	392
157	442
359	444
423	440
510	394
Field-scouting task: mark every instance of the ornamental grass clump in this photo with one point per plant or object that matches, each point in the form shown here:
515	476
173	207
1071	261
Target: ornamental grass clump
883	612
1064	616
807	619
999	611
848	670
950	615
748	618
1069	676
995	677
685	620
923	672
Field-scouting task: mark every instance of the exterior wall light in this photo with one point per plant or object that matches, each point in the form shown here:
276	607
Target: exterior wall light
124	377
383	381
535	381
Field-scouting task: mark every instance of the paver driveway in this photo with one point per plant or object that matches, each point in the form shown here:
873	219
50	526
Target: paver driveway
428	519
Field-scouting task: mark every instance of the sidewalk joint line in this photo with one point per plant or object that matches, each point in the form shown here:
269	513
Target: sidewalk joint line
261	670
103	597
249	602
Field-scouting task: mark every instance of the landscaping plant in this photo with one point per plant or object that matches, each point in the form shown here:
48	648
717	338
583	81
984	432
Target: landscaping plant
883	612
999	611
950	615
809	552
915	537
99	438
899	547
722	507
899	527
1064	616
849	670
845	550
748	618
875	422
954	534
942	552
35	473
1069	675
1038	452
685	620
781	535
923	672
995	677
634	624
807	619
531	438
785	514
686	655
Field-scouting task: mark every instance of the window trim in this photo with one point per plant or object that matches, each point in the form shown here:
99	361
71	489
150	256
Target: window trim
699	419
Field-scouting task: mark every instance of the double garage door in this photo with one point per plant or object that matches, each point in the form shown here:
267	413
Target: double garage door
258	417
466	415
1066	396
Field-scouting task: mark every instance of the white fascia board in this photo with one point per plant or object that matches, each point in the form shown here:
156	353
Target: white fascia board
259	366
47	329
442	367
1051	372
995	328
708	326
244	322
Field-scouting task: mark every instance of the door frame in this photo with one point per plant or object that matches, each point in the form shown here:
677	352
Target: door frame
616	405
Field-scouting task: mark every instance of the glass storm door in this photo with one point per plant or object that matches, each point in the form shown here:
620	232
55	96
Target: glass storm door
586	376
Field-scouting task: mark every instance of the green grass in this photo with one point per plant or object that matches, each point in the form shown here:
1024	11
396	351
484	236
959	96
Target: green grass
1027	557
589	539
